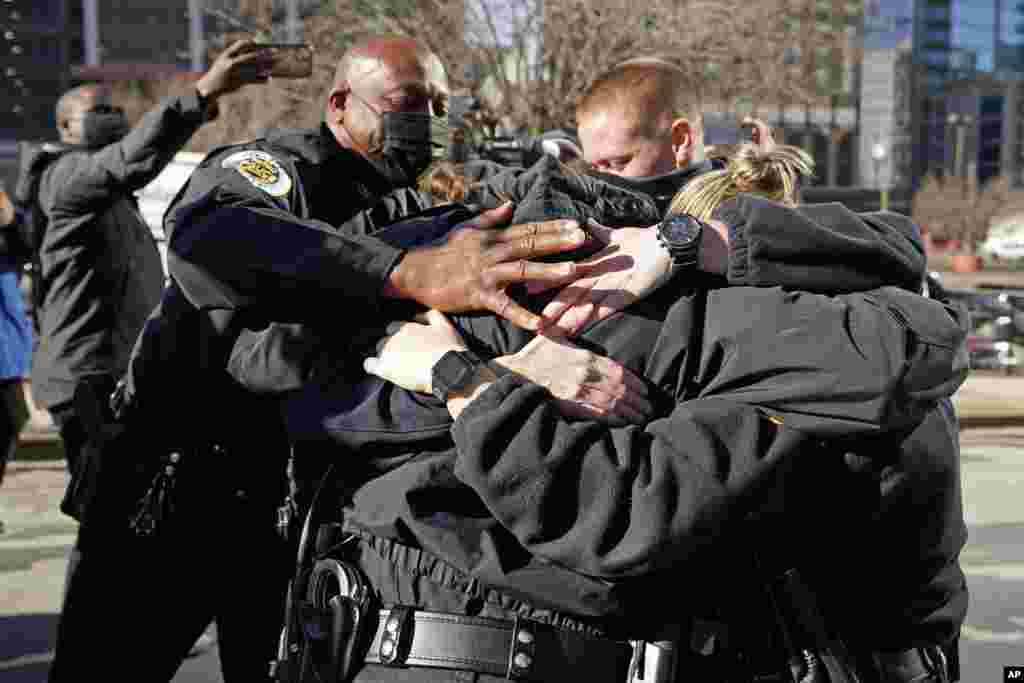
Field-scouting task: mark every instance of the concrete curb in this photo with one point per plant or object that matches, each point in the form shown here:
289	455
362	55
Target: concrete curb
979	421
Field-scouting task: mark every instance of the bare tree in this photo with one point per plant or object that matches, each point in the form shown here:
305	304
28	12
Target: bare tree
529	61
532	59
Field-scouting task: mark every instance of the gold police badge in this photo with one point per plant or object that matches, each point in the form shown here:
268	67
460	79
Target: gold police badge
261	170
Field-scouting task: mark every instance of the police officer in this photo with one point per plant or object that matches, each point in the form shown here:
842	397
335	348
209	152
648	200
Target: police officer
258	234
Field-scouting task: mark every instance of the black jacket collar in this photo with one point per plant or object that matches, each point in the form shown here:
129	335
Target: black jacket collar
662	187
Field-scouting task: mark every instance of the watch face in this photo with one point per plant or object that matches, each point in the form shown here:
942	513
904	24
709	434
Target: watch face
680	229
452	372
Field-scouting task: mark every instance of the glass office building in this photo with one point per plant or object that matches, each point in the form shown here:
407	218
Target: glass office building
969	63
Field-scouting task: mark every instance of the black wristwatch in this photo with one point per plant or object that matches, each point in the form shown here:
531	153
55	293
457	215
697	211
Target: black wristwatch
680	235
454	372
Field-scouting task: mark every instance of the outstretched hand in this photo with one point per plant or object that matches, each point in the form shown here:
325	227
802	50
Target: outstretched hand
473	268
406	357
760	134
584	384
632	264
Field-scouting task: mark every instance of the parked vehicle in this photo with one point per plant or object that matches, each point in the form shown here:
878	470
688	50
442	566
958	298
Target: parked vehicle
996	341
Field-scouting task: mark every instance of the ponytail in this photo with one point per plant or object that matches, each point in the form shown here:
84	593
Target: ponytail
774	174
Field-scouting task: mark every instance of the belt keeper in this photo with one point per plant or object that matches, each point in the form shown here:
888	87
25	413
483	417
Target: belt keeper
394	644
523	652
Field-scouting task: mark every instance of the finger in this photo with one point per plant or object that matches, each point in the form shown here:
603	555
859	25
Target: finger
381	343
612	303
575	318
371	365
606	404
609	393
504	274
238	47
393	328
499	302
602	233
254	57
615	374
588	412
541	243
581	271
612	405
515	233
491	218
567	298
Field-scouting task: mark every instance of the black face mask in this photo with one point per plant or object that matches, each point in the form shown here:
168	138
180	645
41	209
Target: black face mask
408	144
102	126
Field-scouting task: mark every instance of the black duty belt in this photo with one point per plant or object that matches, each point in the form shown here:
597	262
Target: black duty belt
518	649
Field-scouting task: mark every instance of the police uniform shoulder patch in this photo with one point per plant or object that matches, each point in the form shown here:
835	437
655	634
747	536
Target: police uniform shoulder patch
262	170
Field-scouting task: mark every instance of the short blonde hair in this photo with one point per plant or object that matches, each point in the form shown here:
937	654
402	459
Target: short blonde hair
648	90
775	174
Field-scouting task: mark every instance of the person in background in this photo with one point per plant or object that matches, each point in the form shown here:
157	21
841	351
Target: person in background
15	334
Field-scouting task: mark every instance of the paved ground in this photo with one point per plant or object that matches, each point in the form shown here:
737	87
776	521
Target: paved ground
38	537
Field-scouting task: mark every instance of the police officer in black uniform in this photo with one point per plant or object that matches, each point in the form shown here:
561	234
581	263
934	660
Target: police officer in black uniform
257	234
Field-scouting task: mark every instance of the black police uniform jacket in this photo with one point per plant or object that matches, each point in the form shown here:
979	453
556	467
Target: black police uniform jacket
254	236
101	272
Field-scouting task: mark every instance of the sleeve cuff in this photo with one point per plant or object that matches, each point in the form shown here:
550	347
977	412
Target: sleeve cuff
492	398
731	214
194	105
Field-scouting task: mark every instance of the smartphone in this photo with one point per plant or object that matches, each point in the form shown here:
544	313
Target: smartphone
290	60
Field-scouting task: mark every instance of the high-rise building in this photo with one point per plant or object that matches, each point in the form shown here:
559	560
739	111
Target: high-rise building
965	60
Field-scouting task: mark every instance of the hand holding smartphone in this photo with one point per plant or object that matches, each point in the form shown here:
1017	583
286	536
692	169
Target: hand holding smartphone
289	60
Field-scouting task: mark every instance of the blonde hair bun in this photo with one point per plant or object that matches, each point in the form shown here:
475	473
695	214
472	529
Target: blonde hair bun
775	174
